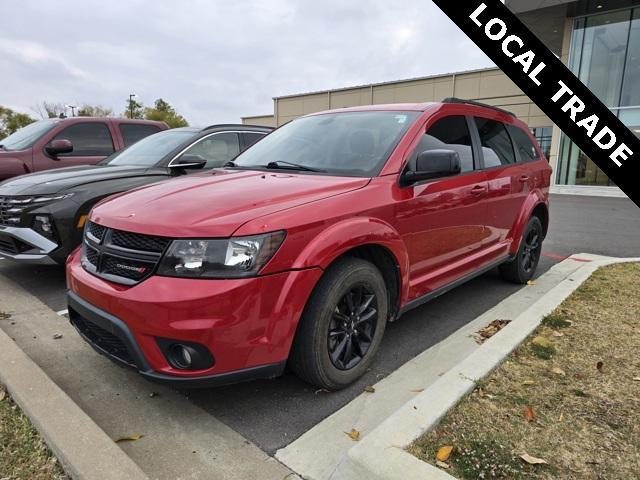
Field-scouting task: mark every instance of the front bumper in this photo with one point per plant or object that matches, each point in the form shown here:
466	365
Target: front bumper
246	324
26	246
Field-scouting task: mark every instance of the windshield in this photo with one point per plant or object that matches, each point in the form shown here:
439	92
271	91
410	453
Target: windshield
27	136
344	144
150	150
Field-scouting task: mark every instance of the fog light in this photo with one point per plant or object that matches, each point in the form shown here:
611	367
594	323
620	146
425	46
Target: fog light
184	355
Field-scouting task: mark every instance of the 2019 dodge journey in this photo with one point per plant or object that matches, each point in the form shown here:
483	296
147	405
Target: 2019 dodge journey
303	247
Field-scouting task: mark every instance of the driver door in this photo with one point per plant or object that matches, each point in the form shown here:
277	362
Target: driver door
92	142
443	220
216	149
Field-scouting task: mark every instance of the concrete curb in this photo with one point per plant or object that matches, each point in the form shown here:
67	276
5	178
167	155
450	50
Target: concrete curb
83	449
381	455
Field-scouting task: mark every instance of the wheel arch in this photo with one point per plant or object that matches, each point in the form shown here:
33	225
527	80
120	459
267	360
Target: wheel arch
535	205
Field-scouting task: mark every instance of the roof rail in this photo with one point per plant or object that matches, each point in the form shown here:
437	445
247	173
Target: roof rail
234	125
477	104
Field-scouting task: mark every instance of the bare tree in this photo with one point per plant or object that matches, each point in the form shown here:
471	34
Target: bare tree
49	109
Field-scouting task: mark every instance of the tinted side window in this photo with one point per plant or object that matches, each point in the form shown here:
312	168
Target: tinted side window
449	133
216	149
524	145
250	138
131	133
89	139
496	143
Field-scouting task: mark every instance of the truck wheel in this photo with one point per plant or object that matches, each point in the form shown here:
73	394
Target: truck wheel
342	325
522	268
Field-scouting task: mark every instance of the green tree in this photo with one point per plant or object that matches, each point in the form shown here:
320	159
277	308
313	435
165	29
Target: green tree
94	111
134	109
11	121
163	112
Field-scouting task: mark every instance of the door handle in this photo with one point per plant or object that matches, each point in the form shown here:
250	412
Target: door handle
524	178
478	190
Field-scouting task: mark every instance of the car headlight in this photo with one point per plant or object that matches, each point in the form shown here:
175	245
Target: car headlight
234	257
43	225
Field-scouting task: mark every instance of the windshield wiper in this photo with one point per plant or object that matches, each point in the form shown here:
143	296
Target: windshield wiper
292	166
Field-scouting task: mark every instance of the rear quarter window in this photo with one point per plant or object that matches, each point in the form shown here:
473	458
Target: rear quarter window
131	133
527	151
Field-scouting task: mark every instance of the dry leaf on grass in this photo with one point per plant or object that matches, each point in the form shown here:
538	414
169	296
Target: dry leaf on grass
558	371
533	460
353	434
556	333
541	342
369	389
636	379
130	438
529	382
442	464
3	394
444	453
599	366
490	330
529	414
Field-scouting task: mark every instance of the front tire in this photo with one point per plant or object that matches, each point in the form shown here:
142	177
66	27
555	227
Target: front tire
342	325
522	268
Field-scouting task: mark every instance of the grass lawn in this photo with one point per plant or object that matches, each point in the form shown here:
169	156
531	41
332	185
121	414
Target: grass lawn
568	396
23	454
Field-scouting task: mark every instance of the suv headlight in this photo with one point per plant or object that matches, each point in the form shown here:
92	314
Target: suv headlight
234	257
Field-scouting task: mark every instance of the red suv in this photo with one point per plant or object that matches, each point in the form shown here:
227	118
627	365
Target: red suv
307	244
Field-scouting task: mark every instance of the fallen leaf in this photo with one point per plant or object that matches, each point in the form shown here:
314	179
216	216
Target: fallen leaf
3	394
480	392
529	414
490	330
417	390
353	434
369	389
532	460
561	416
442	464
599	366
444	453
529	382
556	333
558	371
57	336
636	379
531	282
541	342
130	438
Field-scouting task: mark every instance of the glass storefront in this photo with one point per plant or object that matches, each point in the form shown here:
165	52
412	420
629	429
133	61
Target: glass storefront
605	55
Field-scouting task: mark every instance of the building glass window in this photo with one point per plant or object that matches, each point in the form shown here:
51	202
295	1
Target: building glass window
543	136
605	55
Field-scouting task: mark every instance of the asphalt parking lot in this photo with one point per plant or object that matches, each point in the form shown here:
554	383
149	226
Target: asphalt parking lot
274	413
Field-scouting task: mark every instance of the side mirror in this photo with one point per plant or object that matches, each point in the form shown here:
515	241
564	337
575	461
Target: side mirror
188	161
433	164
59	147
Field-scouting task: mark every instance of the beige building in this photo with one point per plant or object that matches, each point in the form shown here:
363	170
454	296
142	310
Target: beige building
578	32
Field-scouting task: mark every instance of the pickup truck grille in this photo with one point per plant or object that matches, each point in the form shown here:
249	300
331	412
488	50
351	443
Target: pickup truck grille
121	257
11	209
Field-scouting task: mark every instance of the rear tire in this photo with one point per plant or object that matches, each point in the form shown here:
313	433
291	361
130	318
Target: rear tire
522	268
342	325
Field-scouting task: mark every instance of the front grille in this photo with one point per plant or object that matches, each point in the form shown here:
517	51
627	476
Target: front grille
11	209
121	257
103	339
135	241
13	246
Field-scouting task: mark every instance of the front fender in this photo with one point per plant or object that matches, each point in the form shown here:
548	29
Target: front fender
12	167
534	199
351	233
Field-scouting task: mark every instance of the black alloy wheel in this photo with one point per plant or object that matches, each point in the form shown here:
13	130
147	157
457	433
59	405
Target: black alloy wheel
352	327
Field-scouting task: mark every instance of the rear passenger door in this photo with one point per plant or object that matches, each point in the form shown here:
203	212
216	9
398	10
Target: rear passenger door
506	190
132	132
92	141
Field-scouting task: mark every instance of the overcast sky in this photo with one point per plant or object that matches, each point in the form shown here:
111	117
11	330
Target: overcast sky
216	61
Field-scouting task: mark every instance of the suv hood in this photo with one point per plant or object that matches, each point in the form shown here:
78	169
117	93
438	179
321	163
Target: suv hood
215	204
60	179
